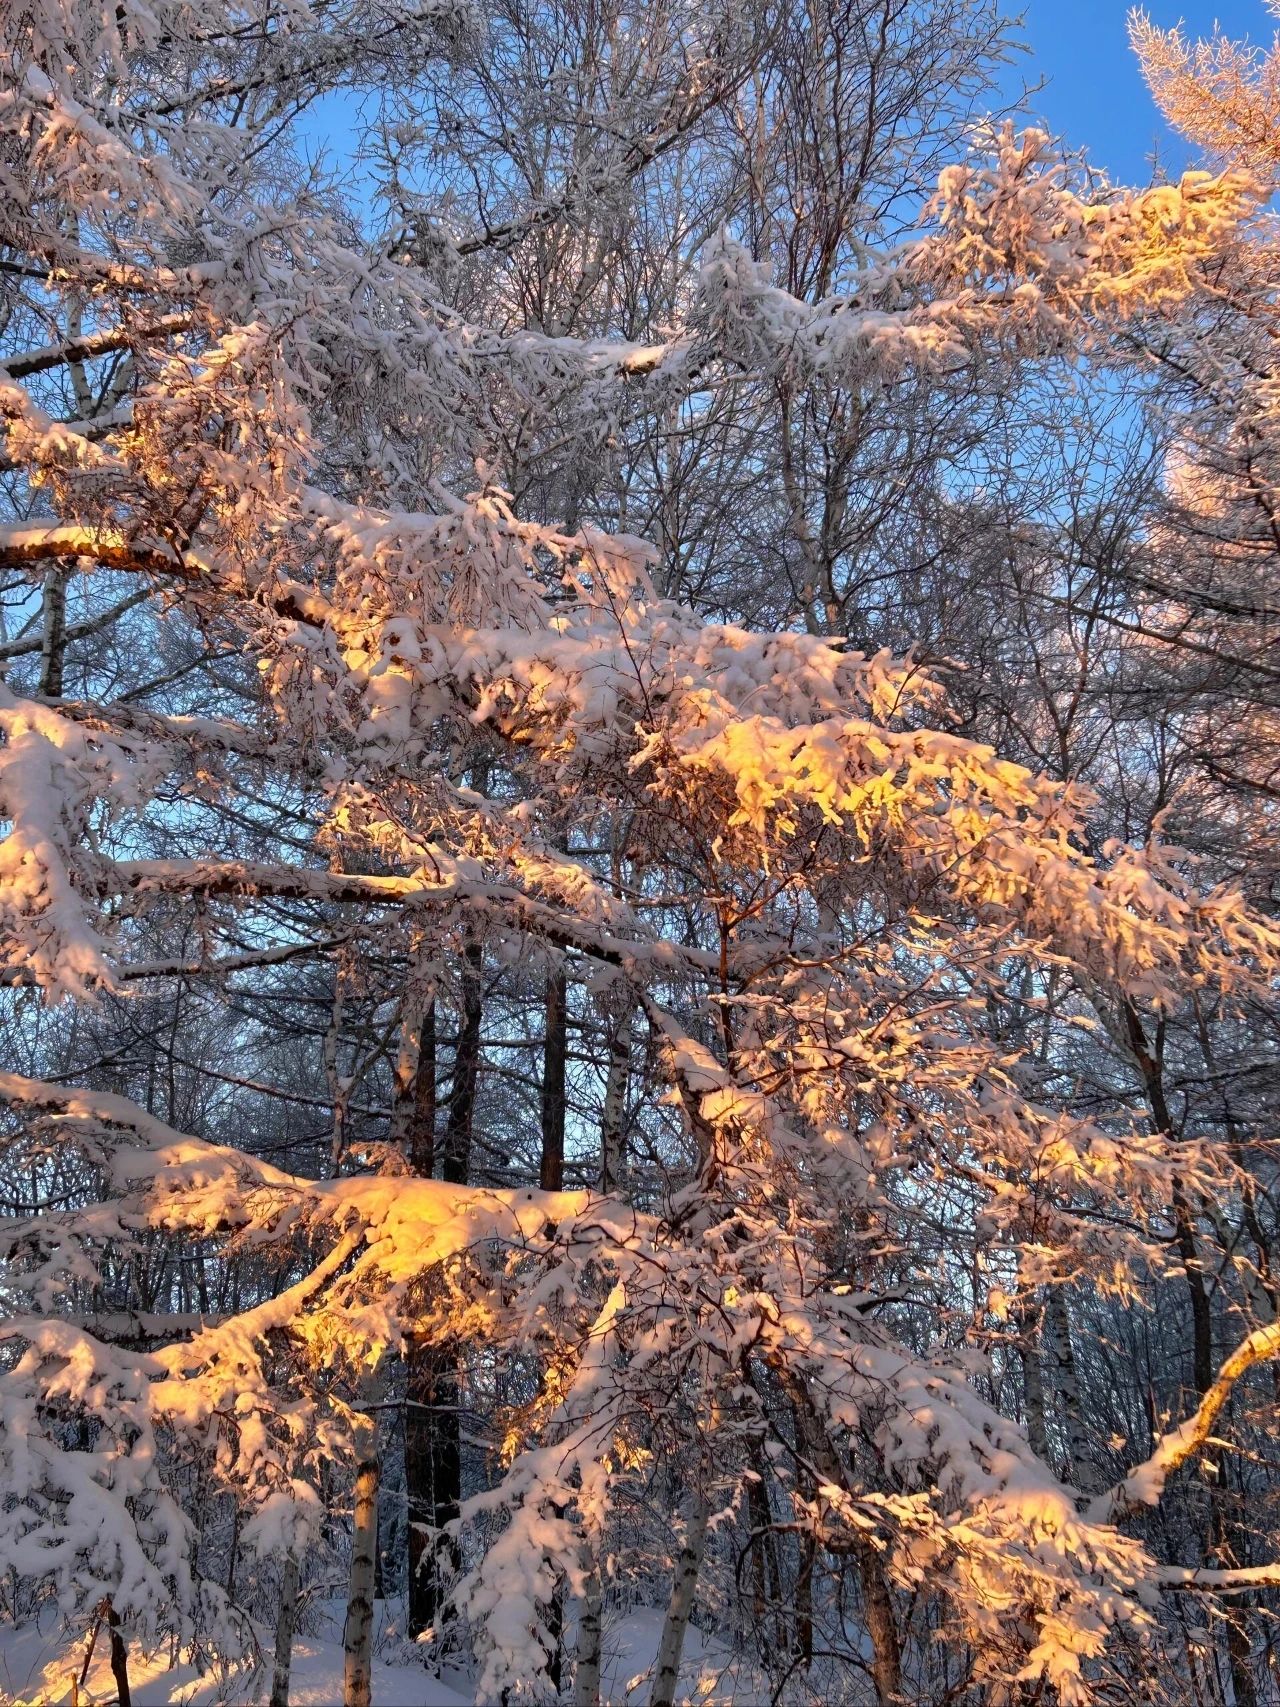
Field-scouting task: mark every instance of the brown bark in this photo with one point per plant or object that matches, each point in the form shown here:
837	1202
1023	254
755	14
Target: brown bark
455	1158
1148	1057
432	1439
554	1063
882	1626
433	1475
119	1656
877	1602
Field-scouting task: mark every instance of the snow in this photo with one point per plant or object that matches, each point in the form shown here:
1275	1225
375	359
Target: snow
709	1673
37	1666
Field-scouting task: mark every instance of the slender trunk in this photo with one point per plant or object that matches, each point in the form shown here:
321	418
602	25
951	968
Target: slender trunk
882	1627
1082	1471
554	1061
804	1601
671	1645
765	1590
613	1140
422	1124
432	1438
235	1546
78	1683
1028	1319
1150	1065
551	1178
618	1012
433	1478
554	1626
339	1088
586	1677
119	1656
1239	1654
432	1444
413	1102
54	642
286	1619
877	1602
460	1115
1149	1062
357	1635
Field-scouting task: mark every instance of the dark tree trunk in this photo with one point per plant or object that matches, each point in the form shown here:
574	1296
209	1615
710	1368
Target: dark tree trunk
455	1158
432	1442
433	1479
422	1120
613	1143
1150	1065
882	1627
555	1055
119	1656
1150	1060
555	1631
413	1104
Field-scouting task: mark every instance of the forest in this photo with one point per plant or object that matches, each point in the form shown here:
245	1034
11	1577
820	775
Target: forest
639	861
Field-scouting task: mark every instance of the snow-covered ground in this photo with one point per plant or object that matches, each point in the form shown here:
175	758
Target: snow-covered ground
37	1668
37	1671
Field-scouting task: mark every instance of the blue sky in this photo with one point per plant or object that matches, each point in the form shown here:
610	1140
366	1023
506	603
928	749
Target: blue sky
1095	95
1093	92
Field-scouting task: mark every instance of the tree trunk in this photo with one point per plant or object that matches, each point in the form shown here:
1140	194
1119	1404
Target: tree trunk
666	1671
1082	1470
357	1635
804	1600
555	1055
234	1556
554	1060
433	1478
1028	1319
54	643
460	1115
432	1442
586	1677
1150	1060
765	1586
119	1656
877	1603
413	1106
554	1626
882	1627
286	1619
1150	1064
613	1140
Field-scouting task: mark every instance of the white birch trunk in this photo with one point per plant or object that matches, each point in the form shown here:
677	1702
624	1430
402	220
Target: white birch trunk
666	1670
286	1620
1082	1471
1029	1321
586	1677
357	1636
